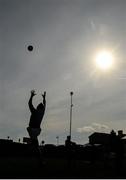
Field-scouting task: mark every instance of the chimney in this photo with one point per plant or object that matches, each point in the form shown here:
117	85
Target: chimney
120	133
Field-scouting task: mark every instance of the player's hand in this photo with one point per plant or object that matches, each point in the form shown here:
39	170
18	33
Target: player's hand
44	95
33	93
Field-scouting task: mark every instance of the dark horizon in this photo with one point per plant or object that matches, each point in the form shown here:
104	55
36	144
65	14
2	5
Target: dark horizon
103	157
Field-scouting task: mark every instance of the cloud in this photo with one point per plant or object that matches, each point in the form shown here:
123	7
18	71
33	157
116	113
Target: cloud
85	129
93	127
65	36
98	126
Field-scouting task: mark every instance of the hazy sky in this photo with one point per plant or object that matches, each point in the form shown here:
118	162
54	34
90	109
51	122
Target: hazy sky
66	35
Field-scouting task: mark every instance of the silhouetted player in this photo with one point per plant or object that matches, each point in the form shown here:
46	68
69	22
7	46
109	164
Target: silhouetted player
36	118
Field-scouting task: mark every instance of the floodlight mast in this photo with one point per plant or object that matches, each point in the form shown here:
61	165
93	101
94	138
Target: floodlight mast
57	137
71	106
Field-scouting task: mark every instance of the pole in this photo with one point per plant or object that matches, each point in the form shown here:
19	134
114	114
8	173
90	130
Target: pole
57	137
71	105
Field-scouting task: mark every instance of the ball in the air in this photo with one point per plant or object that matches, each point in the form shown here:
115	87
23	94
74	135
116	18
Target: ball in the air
30	48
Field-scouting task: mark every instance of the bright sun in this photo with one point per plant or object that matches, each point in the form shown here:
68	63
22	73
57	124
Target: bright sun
104	60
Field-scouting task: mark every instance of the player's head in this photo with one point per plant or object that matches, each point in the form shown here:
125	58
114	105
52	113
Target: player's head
40	106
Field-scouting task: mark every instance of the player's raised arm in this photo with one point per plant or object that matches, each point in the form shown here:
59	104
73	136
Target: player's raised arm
31	107
44	98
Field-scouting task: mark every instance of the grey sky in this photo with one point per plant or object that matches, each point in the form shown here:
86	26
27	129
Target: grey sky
66	34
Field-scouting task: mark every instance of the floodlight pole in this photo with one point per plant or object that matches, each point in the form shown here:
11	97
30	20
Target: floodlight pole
71	105
57	137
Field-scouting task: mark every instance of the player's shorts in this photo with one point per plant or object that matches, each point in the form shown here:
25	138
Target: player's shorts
33	132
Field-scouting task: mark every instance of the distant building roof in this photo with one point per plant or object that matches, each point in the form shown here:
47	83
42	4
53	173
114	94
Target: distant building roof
99	138
99	134
26	140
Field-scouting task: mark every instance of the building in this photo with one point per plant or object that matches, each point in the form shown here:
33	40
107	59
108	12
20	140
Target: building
99	138
105	138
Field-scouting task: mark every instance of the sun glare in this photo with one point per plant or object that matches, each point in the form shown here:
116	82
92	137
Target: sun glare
104	60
